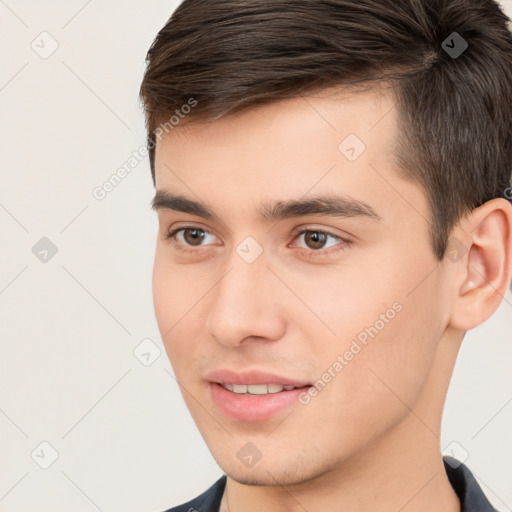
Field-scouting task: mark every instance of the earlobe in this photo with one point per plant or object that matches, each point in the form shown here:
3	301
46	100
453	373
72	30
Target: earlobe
487	268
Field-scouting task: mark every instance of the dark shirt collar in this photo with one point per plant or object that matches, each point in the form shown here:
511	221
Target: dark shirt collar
471	496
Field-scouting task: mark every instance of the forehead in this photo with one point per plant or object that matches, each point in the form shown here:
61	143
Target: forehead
340	141
334	109
289	127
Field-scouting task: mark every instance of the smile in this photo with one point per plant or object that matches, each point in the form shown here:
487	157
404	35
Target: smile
254	402
256	389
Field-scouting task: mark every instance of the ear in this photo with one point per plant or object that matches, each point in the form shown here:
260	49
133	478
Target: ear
485	271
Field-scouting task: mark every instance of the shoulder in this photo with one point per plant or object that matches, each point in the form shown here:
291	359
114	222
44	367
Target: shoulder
470	494
208	501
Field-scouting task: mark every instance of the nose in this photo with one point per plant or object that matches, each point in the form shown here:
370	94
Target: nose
245	304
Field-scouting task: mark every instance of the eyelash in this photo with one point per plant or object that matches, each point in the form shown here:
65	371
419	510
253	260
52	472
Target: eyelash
306	252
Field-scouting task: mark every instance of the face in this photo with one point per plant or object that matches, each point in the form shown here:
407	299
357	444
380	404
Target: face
337	298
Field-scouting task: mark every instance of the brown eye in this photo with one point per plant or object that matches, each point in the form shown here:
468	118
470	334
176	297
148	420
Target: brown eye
317	243
193	236
315	239
189	238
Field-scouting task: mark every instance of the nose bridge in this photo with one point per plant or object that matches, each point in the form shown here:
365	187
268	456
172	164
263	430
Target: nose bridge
243	303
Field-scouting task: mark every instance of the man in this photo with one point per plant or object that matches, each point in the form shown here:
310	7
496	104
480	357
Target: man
333	194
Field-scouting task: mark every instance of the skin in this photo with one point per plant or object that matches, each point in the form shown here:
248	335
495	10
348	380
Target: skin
370	440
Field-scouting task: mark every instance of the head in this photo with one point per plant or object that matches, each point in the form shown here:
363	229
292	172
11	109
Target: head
266	118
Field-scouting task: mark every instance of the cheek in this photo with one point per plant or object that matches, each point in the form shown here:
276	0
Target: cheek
163	296
177	294
386	352
170	302
174	291
385	330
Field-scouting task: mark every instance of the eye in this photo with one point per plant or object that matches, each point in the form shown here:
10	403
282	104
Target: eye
317	241
192	237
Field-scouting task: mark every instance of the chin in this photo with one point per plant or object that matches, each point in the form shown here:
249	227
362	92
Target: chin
251	479
290	472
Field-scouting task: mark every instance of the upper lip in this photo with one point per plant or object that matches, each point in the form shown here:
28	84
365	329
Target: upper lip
252	377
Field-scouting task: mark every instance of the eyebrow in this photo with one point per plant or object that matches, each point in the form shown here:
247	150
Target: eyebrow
270	211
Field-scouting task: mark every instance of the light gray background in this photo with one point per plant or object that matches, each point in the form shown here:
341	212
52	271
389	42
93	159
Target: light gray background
69	327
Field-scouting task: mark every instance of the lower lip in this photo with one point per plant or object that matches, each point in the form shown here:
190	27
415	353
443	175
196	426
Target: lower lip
253	407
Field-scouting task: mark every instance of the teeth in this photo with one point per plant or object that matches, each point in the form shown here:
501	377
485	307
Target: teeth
239	388
256	389
275	388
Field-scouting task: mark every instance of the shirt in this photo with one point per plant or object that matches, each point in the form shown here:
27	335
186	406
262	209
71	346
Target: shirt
471	496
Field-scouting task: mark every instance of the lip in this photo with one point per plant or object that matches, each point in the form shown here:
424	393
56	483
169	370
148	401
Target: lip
255	407
252	408
252	377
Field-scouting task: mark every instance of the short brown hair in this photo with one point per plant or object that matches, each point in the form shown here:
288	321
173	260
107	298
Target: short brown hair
455	111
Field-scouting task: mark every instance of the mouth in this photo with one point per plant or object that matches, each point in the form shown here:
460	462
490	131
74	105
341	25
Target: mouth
258	389
252	395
